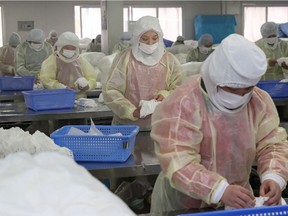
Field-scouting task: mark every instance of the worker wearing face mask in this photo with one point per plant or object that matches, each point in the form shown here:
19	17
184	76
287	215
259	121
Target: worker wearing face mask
213	128
124	42
274	48
66	69
31	53
7	55
143	72
204	49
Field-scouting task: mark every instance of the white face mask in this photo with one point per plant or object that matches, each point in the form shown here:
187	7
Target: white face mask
271	40
148	49
231	101
205	50
68	53
36	46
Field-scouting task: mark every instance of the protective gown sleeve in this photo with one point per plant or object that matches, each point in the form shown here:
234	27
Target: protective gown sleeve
272	145
175	75
89	72
20	68
48	74
5	68
176	130
114	89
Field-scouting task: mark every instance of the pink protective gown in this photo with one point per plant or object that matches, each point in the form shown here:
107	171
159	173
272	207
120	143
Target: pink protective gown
198	146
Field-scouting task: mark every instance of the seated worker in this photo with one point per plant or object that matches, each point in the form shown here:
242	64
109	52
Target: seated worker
274	48
66	69
52	38
31	53
213	128
94	45
179	41
124	42
204	49
7	55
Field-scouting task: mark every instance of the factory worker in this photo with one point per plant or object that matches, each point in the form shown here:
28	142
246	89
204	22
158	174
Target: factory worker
94	45
179	41
274	48
31	53
124	42
143	72
204	49
66	69
7	55
52	38
212	129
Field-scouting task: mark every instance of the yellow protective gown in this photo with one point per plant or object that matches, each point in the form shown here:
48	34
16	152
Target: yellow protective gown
7	61
55	73
28	61
131	81
198	146
274	72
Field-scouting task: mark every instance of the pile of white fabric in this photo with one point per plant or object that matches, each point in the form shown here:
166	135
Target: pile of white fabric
16	140
50	184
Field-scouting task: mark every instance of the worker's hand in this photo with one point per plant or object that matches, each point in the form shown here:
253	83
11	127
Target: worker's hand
272	62
36	81
159	97
284	65
83	88
271	189
237	196
136	113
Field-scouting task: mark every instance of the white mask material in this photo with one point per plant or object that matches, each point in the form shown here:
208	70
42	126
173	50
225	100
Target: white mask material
36	46
231	101
205	50
148	49
68	53
271	41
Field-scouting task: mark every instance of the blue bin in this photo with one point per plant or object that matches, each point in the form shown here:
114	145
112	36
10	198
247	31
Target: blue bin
275	88
16	83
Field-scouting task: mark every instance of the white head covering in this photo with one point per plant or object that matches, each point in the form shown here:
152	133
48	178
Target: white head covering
268	29
67	38
125	36
14	39
36	35
144	24
235	63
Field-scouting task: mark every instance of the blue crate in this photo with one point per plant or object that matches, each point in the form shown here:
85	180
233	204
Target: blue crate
50	99
98	148
258	211
275	88
16	83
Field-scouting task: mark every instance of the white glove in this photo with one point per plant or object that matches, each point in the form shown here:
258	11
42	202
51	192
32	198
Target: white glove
147	107
82	82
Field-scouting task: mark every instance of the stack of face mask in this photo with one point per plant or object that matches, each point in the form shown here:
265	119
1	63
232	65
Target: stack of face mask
82	82
86	102
147	107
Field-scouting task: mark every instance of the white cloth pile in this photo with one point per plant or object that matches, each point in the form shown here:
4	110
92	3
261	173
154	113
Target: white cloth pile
147	107
16	140
86	102
50	184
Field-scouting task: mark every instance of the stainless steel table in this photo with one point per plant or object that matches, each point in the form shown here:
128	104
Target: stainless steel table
142	162
17	112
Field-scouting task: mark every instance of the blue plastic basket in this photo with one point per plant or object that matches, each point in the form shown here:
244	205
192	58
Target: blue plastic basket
259	211
275	88
98	148
16	83
49	99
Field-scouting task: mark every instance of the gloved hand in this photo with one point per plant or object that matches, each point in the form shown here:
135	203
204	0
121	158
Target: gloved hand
82	84
236	196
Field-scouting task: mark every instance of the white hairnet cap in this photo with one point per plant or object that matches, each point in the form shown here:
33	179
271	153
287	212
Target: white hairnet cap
269	28
205	39
125	36
67	38
36	35
236	62
14	39
147	23
53	33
